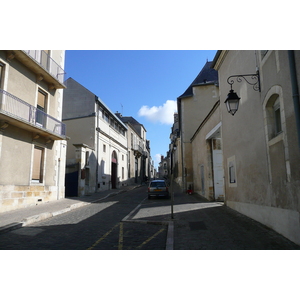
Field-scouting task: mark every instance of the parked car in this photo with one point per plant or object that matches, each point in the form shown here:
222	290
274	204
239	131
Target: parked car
158	188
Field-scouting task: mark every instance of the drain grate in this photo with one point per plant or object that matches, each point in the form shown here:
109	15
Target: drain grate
200	225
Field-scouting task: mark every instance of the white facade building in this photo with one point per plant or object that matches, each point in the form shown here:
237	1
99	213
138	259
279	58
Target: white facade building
97	151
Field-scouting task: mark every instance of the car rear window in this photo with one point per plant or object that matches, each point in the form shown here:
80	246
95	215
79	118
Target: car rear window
157	184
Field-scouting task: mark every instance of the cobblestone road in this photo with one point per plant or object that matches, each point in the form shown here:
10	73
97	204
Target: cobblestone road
130	221
96	226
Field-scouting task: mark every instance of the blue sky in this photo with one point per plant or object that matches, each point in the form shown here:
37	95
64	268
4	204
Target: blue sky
143	84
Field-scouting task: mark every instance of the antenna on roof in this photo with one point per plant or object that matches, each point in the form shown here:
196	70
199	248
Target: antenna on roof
122	108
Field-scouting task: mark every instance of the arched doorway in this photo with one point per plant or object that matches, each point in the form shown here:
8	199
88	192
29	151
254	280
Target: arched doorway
114	170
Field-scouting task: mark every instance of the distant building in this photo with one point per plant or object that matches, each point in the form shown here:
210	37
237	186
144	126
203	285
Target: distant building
32	136
193	106
175	150
163	168
138	150
97	150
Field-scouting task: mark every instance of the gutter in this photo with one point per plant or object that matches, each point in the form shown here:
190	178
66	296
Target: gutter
216	58
295	90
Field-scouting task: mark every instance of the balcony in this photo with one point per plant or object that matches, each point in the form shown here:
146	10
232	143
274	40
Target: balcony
138	150
23	115
42	65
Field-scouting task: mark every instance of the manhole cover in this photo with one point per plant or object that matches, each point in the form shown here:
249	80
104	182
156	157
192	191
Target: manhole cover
197	225
28	231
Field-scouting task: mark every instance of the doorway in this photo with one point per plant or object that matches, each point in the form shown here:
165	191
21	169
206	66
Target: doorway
218	171
214	140
114	170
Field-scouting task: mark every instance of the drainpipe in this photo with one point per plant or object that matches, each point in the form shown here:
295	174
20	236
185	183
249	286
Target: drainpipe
295	90
58	173
97	143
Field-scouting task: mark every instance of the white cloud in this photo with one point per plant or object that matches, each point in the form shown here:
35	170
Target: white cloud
163	114
157	158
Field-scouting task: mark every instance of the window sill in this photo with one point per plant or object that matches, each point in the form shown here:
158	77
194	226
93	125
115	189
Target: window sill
276	139
36	182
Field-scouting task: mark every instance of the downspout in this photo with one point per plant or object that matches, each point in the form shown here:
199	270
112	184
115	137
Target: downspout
97	143
179	107
58	172
295	90
97	153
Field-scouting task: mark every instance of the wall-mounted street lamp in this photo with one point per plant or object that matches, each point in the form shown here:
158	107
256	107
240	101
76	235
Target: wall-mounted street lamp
232	101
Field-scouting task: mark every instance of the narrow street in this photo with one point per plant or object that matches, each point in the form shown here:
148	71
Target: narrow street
129	221
95	227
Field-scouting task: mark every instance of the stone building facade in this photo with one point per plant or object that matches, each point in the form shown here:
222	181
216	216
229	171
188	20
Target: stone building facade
32	136
97	149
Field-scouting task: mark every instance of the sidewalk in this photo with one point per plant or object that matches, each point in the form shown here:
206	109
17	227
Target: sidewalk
200	224
23	216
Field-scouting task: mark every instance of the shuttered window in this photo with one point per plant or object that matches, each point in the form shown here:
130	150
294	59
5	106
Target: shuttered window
1	73
41	104
37	167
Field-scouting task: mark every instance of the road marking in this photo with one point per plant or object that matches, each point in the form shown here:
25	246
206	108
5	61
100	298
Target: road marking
120	247
170	236
133	211
150	238
103	237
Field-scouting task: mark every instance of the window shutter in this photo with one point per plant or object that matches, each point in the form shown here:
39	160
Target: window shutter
37	164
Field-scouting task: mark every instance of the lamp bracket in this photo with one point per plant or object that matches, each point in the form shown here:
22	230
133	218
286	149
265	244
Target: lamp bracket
252	79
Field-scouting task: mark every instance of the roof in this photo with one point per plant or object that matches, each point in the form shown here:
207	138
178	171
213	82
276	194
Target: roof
95	98
132	121
206	76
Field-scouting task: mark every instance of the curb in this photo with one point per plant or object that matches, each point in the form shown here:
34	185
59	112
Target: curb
11	226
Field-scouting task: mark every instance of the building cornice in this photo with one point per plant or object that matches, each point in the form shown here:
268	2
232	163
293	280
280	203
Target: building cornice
218	59
112	139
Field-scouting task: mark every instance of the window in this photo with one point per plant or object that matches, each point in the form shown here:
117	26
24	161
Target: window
231	173
122	131
277	117
273	117
1	73
106	118
100	112
41	108
87	158
122	172
104	148
37	165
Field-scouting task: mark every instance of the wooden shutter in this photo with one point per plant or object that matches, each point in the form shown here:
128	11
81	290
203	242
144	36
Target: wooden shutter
37	164
41	101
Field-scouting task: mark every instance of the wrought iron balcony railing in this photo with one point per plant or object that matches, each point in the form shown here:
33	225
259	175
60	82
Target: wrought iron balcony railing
18	109
45	61
138	148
